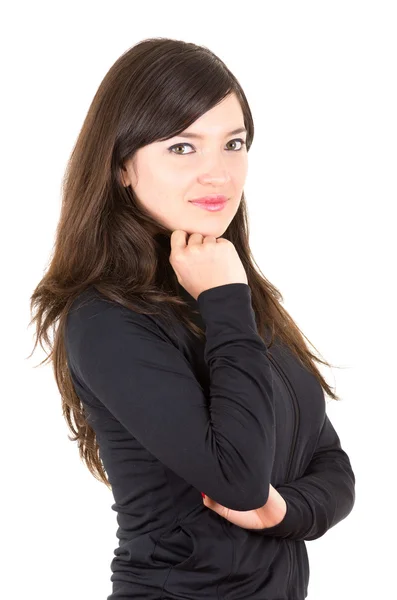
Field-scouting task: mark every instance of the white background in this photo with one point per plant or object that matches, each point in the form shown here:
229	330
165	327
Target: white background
320	78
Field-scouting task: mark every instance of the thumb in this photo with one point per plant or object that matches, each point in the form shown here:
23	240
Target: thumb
207	501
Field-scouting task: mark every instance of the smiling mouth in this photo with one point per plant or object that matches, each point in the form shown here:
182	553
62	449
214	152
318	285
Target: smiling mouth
210	206
212	199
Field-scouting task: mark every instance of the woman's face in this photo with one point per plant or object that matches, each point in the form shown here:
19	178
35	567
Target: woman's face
164	179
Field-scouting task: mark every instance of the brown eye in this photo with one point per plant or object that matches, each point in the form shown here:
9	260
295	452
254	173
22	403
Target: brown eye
182	144
178	146
238	140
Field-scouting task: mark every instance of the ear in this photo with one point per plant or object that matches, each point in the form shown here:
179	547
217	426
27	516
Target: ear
124	179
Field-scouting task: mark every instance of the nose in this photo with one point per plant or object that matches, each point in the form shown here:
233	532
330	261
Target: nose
218	176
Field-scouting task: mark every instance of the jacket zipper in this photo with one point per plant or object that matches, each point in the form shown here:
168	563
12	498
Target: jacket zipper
293	443
296	412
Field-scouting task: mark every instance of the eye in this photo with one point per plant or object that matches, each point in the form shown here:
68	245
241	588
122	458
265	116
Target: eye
180	145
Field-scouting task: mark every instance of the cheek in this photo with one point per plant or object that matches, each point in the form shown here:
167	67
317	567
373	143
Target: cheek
241	170
164	205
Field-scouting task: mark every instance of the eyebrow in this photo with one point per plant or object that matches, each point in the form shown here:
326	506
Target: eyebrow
198	136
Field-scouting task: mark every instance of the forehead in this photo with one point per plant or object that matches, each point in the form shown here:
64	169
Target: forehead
199	136
225	118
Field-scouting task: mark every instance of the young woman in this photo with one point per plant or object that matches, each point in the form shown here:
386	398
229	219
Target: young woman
181	374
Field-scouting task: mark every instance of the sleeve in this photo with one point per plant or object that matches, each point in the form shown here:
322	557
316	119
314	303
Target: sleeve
223	444
322	497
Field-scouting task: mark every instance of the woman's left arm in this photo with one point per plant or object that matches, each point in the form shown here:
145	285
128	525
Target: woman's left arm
322	497
314	503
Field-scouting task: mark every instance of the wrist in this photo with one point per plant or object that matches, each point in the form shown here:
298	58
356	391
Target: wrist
274	511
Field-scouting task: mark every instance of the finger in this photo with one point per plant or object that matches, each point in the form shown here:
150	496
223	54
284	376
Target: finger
223	511
178	239
210	503
195	239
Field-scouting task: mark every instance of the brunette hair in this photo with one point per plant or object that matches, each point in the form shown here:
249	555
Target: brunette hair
105	239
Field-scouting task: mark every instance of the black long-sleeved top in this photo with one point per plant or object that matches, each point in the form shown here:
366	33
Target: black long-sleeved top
175	417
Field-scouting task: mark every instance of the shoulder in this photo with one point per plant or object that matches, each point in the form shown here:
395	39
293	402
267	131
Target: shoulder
101	335
89	304
95	317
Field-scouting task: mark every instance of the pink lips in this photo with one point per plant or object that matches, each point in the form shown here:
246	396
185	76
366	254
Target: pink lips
211	206
214	199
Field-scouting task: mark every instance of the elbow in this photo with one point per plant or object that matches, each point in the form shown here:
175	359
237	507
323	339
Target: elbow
245	497
243	484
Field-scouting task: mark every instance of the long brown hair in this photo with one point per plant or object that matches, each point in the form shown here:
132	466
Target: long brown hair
104	238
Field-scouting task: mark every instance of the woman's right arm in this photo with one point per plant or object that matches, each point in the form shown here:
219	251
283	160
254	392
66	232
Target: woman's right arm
223	445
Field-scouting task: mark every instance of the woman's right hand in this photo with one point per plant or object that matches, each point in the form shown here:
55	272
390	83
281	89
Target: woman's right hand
201	263
268	515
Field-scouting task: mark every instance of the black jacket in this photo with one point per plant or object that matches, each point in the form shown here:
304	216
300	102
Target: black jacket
175	417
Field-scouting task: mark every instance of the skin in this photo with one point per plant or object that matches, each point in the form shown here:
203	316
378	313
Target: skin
272	513
165	180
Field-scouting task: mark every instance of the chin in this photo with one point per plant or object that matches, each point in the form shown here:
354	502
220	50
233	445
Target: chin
214	231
